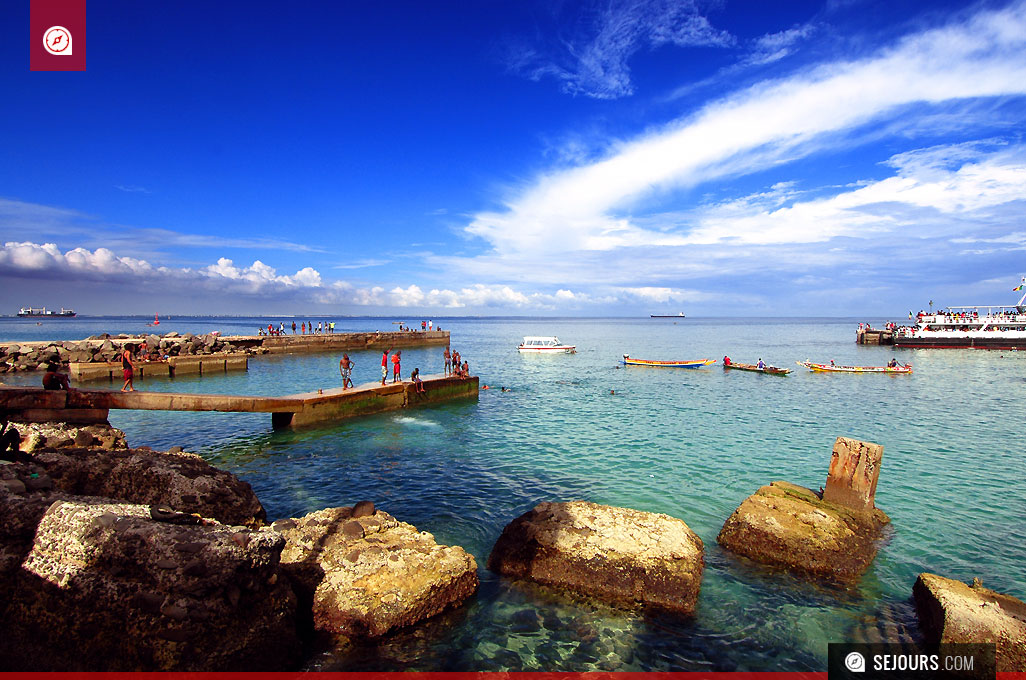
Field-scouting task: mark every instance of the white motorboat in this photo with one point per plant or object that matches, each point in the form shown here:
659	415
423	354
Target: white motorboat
549	344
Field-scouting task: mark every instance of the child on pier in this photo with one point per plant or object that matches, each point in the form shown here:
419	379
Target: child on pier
417	382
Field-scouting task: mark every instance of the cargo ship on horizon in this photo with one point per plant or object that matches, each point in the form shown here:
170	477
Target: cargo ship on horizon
46	313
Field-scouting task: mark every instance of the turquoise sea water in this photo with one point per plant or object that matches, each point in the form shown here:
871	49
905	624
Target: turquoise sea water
689	443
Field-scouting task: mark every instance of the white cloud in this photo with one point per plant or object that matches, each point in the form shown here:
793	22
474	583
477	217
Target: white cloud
583	209
33	260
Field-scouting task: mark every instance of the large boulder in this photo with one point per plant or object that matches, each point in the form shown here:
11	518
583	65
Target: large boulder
952	612
793	527
107	588
183	481
624	556
364	573
25	495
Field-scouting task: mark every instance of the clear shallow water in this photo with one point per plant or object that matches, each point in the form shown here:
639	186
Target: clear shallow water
689	443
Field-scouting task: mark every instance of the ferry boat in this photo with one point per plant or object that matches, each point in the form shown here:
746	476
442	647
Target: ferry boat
49	313
974	326
678	315
545	344
693	363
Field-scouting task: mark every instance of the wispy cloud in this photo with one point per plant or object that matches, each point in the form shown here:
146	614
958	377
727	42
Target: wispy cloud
775	46
361	264
567	215
131	189
593	59
48	222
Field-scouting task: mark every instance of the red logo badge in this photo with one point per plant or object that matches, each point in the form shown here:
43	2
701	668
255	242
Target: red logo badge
58	35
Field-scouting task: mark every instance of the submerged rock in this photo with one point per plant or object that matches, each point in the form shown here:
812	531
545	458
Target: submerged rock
620	555
792	527
368	575
952	612
107	588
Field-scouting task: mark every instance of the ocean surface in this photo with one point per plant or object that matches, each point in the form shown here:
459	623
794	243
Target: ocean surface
689	443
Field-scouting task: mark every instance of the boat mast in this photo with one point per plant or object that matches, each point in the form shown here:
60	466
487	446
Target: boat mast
1019	304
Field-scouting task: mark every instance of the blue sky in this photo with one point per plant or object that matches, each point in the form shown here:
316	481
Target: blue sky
553	158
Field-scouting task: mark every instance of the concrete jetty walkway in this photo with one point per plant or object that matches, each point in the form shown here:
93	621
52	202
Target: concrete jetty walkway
31	404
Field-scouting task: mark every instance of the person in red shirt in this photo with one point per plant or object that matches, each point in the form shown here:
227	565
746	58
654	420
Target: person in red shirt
384	365
395	367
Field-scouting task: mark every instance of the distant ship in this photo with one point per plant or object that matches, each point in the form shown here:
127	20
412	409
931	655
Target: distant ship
48	313
678	315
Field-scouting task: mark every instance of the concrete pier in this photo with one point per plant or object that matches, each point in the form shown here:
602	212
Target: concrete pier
99	359
202	364
26	404
874	336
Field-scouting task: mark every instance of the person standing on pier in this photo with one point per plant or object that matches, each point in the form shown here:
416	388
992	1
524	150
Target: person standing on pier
345	367
446	359
128	368
384	365
396	377
293	327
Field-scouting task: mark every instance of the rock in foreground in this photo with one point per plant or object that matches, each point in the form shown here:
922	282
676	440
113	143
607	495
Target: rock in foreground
364	573
105	587
623	556
953	612
183	481
792	527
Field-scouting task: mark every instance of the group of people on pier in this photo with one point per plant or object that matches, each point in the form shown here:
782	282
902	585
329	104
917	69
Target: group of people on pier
454	364
453	367
304	328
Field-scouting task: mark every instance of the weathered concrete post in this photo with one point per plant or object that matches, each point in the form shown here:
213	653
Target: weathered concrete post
854	472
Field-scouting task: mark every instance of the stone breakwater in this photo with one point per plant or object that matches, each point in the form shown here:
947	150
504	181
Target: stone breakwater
106	348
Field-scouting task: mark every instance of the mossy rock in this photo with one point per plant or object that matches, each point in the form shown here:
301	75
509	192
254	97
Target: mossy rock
793	527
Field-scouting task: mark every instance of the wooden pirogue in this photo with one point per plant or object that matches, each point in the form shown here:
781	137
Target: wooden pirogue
830	368
695	363
768	370
32	404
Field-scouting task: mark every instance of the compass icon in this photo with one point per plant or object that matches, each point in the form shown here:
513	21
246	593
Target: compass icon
57	41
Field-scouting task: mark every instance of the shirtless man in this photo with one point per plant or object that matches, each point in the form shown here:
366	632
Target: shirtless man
447	358
128	368
345	367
